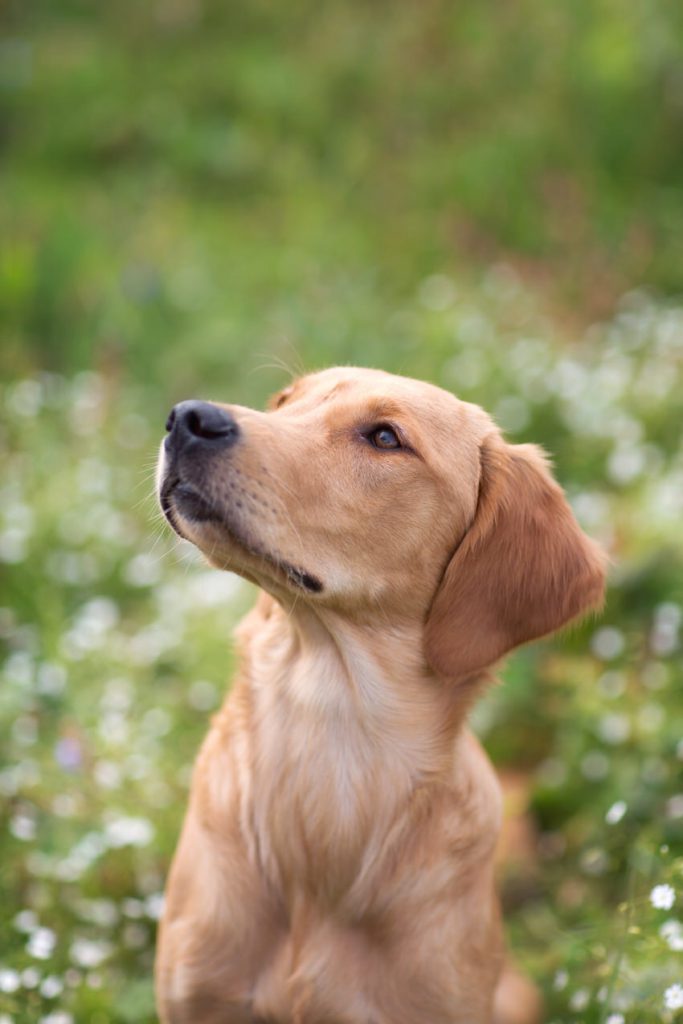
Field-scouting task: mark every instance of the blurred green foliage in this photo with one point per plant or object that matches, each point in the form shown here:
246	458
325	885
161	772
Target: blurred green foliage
200	198
239	173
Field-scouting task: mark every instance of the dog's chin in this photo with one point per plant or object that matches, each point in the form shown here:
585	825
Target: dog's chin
193	518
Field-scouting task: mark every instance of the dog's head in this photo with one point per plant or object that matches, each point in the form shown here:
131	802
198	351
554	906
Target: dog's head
379	496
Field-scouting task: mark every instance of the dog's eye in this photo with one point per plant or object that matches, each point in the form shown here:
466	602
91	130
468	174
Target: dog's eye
384	437
280	399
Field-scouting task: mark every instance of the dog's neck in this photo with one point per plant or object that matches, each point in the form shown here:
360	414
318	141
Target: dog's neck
346	726
370	677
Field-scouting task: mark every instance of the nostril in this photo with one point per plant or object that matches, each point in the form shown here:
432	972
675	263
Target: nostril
202	421
209	422
194	424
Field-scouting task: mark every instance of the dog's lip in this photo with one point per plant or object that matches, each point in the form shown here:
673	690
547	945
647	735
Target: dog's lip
203	511
165	491
193	504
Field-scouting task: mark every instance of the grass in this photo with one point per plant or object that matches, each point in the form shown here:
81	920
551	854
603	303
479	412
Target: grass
199	200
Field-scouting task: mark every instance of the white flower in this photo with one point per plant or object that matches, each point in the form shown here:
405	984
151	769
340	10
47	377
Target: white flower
129	832
52	987
615	1018
26	921
88	952
673	997
154	906
102	912
9	980
672	933
41	943
607	643
580	999
616	812
663	897
614	728
57	1017
560	980
133	908
23	826
30	977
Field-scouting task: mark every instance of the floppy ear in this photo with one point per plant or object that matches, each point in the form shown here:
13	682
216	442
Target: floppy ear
523	569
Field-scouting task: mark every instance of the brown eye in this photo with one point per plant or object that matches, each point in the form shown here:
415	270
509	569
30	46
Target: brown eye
384	438
281	398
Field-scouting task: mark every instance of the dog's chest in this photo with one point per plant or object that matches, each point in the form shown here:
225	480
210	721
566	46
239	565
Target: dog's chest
325	786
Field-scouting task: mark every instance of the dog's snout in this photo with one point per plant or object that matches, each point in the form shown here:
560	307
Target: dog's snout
200	422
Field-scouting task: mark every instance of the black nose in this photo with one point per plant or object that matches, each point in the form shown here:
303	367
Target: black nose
200	422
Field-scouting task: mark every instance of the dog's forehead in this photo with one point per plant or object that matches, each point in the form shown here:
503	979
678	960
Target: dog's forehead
361	385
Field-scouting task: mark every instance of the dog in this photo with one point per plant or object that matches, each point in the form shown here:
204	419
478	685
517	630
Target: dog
336	864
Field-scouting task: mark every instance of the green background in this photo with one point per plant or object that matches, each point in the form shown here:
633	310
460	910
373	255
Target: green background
202	199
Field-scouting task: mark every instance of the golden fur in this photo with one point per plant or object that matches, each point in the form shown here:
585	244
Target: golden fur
336	861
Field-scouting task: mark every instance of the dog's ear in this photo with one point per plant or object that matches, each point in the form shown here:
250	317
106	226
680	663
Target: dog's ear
523	569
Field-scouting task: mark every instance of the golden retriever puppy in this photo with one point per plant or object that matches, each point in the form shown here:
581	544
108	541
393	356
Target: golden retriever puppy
336	861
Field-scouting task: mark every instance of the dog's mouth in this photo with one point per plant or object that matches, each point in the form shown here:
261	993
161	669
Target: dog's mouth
178	497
